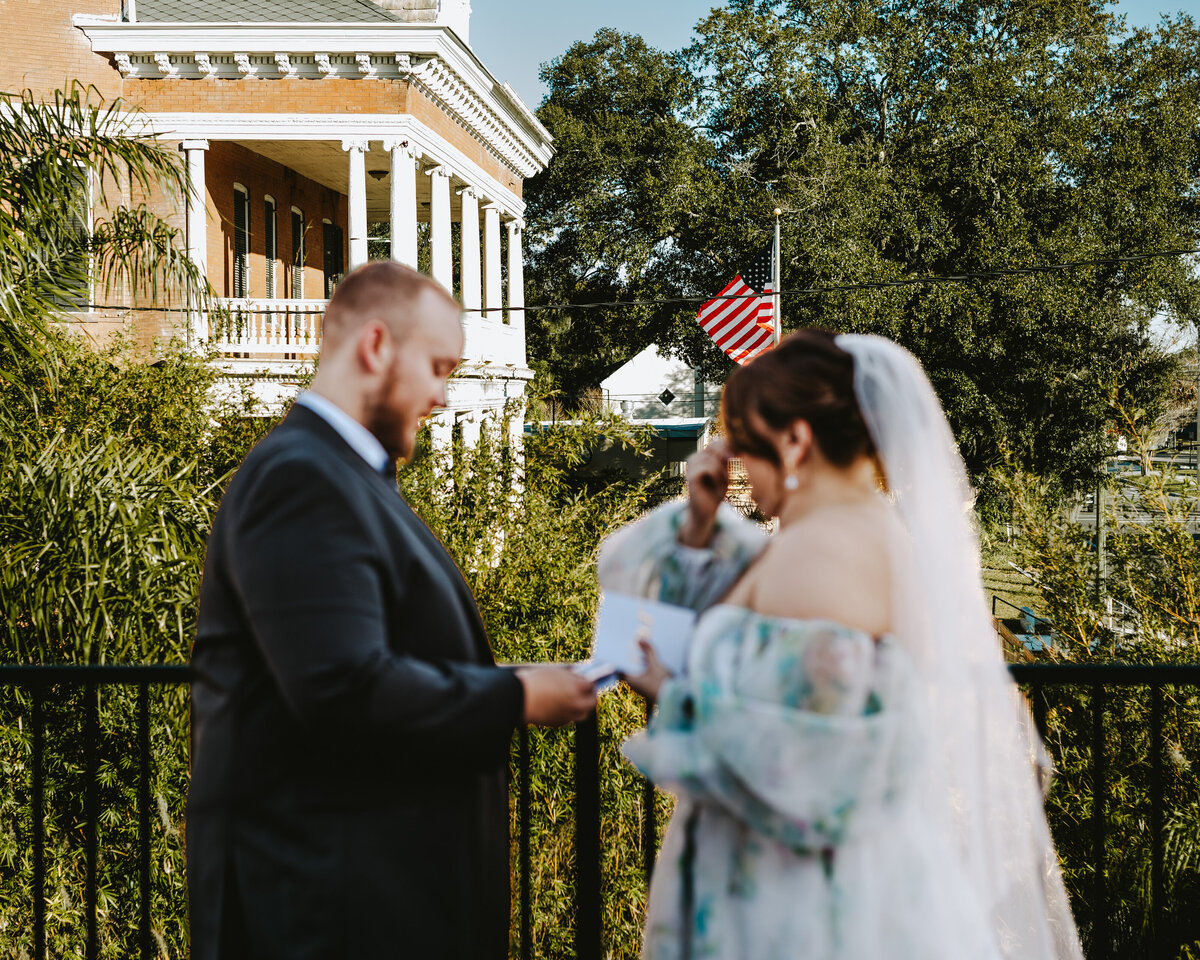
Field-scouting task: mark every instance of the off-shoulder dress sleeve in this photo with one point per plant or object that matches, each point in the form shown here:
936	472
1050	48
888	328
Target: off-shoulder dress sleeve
798	731
646	559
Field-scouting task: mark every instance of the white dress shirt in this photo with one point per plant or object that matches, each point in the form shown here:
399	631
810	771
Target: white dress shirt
360	439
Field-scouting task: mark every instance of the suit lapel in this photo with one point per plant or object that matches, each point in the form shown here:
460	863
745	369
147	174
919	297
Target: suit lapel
483	648
302	418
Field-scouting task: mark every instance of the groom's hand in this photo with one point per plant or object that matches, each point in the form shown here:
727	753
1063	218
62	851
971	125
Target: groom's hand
555	695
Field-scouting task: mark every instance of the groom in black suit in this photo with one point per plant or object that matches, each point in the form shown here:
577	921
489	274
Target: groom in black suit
351	729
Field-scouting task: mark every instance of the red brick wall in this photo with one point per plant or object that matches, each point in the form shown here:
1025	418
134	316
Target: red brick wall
44	51
227	163
332	95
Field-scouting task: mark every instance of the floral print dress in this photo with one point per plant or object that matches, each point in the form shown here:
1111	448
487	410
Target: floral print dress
796	832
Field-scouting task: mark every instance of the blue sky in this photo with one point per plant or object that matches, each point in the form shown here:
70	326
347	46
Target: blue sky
512	39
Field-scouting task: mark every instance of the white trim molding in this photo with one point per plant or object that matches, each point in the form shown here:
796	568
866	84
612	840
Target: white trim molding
335	127
433	58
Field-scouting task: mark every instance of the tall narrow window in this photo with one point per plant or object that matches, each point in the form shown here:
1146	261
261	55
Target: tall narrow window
297	254
70	239
271	252
241	241
335	257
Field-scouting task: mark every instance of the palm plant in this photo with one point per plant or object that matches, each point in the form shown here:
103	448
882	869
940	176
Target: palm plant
58	159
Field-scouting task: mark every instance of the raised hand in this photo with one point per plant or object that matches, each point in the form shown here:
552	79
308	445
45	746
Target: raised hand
555	694
707	480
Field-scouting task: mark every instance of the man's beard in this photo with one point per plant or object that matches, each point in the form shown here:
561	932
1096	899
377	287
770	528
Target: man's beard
386	421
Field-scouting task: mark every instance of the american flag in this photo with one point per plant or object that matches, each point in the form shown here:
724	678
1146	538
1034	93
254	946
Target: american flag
741	318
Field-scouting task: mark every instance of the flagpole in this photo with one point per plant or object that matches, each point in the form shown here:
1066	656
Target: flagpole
778	317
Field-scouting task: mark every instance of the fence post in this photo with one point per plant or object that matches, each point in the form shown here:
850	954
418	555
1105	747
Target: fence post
144	819
38	814
587	839
1100	943
524	864
1156	810
91	817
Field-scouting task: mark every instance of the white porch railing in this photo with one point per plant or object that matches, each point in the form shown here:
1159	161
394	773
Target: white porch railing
277	329
291	330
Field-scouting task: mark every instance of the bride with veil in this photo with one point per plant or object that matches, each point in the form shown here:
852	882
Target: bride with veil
855	773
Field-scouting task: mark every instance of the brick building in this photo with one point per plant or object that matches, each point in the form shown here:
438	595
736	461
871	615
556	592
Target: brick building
310	126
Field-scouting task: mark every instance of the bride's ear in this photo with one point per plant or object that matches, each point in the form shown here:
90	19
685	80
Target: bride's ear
796	443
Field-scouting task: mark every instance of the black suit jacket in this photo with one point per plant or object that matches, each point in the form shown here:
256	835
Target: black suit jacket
350	729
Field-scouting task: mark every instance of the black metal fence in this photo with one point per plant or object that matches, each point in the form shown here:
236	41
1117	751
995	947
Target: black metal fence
40	683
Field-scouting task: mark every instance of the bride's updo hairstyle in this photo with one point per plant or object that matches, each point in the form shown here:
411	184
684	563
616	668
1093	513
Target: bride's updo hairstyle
807	377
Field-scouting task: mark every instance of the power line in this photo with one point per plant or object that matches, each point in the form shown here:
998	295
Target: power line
995	273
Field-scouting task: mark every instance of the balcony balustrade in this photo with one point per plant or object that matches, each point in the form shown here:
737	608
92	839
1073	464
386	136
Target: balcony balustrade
283	329
39	687
265	329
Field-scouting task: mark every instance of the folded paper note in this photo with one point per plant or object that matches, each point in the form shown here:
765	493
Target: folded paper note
622	621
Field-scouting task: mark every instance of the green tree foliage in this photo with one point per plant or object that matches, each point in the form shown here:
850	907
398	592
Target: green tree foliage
902	140
602	215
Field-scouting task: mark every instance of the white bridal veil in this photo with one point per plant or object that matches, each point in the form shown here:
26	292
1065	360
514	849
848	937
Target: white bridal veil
981	786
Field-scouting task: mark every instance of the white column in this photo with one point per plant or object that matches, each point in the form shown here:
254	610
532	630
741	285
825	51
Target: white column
516	278
404	202
441	439
357	150
441	429
471	291
470	423
439	212
196	227
516	445
491	262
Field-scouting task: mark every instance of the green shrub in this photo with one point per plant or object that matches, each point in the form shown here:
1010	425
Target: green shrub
1151	575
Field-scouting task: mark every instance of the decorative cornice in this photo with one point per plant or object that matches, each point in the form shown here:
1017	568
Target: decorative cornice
284	64
365	68
430	147
205	65
245	66
443	85
432	58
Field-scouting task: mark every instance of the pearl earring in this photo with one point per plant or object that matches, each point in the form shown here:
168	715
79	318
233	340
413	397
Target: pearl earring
791	482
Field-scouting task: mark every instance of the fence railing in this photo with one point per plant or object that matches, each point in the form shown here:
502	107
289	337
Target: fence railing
40	682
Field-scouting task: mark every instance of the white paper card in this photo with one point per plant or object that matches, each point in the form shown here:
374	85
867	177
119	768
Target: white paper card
623	619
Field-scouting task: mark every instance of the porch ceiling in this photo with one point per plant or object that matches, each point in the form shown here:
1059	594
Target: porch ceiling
326	163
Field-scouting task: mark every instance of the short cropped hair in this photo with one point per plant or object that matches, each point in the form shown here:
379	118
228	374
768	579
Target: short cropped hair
382	290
